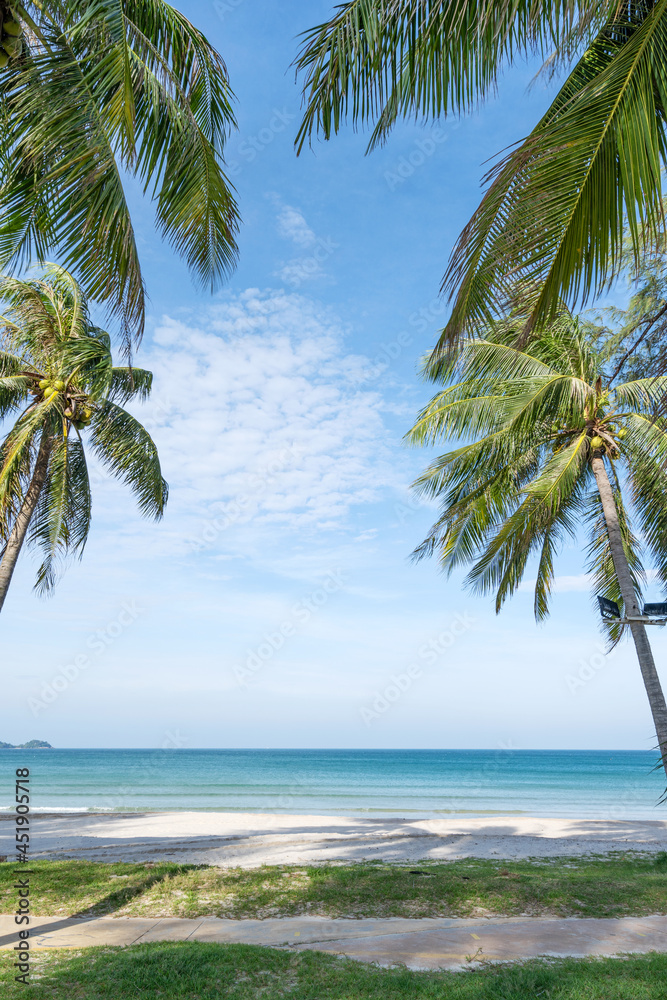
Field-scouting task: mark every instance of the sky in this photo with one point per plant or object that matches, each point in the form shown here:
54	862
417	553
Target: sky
276	605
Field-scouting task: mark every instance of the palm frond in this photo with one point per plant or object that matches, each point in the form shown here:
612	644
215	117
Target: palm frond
599	562
106	87
130	455
130	383
61	521
19	446
552	220
378	60
57	360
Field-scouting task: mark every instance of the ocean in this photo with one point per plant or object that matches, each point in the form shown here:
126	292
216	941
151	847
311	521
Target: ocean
612	784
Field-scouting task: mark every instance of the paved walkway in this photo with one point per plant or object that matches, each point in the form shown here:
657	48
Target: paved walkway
429	943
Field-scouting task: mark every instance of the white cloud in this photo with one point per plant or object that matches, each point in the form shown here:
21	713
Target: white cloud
293	226
260	422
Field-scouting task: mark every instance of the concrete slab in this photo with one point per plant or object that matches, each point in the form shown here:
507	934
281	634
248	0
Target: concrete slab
170	929
511	940
79	932
300	930
431	943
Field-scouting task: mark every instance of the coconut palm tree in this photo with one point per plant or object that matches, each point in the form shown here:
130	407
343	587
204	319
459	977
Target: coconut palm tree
92	91
58	377
551	447
550	225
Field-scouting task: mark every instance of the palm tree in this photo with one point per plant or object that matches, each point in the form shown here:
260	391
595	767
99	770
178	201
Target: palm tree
550	226
551	446
56	372
92	91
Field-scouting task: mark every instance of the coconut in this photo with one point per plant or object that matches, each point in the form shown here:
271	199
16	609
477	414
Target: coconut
59	384
44	383
4	59
622	433
596	442
12	46
12	27
87	414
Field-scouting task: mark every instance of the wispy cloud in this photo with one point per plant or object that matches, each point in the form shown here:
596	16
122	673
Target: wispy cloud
293	226
258	422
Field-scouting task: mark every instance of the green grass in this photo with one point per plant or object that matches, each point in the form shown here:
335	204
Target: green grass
621	884
197	971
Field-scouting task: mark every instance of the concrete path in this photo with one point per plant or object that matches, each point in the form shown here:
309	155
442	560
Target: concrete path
429	943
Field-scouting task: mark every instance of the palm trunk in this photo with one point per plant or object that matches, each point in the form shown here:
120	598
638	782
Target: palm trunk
18	533
652	684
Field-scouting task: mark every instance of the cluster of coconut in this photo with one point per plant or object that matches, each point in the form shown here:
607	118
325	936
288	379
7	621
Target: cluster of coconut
11	43
49	388
79	415
597	442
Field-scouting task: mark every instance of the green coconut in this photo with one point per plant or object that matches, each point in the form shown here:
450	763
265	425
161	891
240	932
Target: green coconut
12	27
59	384
12	46
44	383
4	59
622	433
596	442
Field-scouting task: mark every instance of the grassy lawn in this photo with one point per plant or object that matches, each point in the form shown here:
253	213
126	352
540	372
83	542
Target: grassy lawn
199	971
614	885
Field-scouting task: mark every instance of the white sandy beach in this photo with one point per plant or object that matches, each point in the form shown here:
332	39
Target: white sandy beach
249	840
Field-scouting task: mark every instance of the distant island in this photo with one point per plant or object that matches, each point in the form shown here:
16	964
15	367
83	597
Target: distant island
32	745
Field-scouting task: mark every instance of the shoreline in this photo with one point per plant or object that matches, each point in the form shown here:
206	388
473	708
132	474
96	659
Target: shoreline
253	839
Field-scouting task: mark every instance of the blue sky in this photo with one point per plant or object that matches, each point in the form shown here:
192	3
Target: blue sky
275	604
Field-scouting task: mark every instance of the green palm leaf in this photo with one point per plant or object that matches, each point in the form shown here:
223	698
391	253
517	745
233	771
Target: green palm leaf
129	453
552	451
522	485
377	60
107	87
593	160
57	378
61	521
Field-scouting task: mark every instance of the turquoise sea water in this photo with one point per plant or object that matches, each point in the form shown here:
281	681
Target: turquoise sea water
399	783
